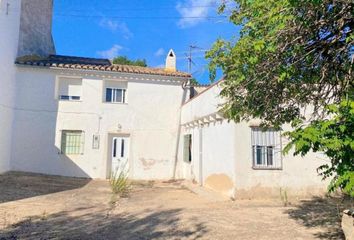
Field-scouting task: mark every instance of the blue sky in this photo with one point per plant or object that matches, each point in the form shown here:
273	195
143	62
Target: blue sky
140	29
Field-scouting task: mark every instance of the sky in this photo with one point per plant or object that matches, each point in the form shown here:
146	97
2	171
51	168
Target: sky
141	29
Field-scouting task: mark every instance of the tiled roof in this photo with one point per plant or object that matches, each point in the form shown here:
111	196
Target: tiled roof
94	64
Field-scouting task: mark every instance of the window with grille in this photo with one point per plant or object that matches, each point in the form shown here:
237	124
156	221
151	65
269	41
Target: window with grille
115	95
72	142
266	149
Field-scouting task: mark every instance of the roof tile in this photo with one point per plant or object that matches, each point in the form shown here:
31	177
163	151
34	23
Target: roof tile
59	61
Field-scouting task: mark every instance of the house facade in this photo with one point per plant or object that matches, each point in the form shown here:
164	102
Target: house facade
87	117
240	159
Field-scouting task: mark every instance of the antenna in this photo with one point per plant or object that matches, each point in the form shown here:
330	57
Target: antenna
189	57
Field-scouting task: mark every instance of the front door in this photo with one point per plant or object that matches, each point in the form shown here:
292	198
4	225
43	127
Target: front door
120	155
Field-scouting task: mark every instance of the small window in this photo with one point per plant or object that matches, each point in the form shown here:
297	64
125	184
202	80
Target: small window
266	149
69	98
187	148
70	89
72	142
115	95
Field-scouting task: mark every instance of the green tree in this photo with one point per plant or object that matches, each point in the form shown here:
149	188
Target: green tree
194	81
335	138
123	60
290	53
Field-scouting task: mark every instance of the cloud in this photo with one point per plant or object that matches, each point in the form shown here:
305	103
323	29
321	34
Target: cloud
115	26
110	53
160	52
193	12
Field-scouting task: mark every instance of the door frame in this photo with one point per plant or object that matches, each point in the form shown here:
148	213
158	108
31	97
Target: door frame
109	145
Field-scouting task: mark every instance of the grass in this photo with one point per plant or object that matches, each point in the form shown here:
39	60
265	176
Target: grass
120	183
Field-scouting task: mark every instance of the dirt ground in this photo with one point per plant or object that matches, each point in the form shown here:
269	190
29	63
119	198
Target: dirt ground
44	207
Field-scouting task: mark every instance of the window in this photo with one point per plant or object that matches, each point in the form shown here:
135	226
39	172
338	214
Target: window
69	98
70	89
72	142
266	149
115	95
187	150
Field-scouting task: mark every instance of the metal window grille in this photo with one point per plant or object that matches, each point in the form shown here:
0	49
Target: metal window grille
266	149
72	142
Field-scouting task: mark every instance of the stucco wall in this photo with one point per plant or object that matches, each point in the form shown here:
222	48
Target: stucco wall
298	176
227	154
9	29
213	157
36	28
151	118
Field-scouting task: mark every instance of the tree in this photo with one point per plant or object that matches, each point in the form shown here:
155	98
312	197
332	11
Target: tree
123	60
290	53
193	81
335	138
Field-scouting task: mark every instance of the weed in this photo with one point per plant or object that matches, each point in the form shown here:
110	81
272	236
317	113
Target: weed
120	183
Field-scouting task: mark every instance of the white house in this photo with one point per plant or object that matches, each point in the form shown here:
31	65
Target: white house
241	160
85	117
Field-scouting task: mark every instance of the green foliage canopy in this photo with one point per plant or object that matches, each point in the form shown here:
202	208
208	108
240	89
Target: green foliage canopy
290	53
333	137
123	60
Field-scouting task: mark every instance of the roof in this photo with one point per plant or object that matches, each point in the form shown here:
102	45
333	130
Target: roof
93	64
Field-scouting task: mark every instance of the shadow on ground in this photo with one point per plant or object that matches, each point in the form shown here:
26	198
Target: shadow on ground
81	224
324	212
18	185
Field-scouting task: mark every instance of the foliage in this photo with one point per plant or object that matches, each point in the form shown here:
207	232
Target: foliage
193	81
119	182
123	60
334	137
290	53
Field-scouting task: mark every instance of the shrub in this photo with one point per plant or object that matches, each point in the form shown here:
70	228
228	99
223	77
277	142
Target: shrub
119	182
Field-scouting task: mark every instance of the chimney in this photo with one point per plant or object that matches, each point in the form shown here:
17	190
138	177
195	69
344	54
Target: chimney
171	61
36	28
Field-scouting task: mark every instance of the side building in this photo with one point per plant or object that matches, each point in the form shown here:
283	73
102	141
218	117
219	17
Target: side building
241	160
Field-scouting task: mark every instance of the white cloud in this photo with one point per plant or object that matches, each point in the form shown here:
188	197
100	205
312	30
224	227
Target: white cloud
160	52
193	12
115	26
110	53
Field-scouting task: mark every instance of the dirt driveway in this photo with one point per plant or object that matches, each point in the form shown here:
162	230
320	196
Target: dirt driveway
43	207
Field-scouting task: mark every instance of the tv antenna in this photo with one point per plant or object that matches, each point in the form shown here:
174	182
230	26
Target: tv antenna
190	57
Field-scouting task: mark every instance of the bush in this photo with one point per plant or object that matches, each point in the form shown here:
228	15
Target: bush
119	182
335	138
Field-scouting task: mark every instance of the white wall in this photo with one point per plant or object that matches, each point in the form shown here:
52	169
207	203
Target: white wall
227	156
150	117
213	161
9	31
213	156
298	176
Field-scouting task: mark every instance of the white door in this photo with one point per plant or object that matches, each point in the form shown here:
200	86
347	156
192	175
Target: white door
120	155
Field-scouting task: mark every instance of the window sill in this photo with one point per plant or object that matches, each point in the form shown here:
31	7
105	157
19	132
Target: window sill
61	100
115	103
267	168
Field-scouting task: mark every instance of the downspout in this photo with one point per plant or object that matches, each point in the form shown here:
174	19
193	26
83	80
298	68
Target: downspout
184	87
